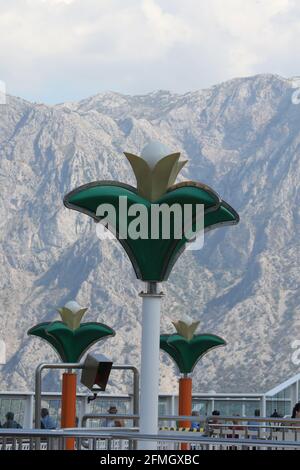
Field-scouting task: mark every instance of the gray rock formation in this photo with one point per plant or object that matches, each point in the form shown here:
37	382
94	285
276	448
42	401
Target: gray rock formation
242	137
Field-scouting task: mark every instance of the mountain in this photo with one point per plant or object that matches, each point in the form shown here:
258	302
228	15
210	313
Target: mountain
242	137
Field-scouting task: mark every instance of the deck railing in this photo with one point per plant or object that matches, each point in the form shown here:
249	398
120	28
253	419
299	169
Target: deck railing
21	439
215	433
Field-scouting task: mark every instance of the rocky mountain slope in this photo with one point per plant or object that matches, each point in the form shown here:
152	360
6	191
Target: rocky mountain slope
242	137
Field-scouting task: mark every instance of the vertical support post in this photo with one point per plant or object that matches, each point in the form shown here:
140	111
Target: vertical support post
185	400
150	364
38	391
28	411
38	396
244	407
136	395
68	405
263	406
185	403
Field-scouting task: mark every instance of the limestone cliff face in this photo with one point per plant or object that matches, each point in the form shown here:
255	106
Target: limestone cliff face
242	137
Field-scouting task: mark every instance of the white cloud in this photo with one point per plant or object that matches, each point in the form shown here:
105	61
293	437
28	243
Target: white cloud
54	50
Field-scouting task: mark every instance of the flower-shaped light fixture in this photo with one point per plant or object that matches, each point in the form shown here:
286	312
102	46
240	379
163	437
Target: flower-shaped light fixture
153	257
70	338
186	347
155	172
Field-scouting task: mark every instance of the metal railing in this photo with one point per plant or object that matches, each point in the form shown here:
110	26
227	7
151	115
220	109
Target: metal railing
78	366
225	427
201	419
214	433
22	403
21	439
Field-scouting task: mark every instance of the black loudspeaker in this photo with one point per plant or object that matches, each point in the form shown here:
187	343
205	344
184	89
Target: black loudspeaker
96	371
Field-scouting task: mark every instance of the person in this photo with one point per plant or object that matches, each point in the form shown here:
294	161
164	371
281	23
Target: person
111	423
296	411
195	424
236	426
10	422
46	421
215	413
211	424
274	414
254	425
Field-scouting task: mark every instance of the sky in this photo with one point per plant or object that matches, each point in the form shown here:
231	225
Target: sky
53	51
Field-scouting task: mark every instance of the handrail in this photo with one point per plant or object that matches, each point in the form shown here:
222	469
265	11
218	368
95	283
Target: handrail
38	384
79	366
134	436
203	418
88	416
200	419
136	385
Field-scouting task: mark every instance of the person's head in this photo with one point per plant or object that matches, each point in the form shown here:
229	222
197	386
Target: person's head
9	416
44	412
112	410
296	411
257	413
195	413
215	413
118	423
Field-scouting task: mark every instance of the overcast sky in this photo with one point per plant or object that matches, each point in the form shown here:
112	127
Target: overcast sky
59	50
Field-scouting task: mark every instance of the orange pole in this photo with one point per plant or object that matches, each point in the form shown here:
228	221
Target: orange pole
185	403
68	405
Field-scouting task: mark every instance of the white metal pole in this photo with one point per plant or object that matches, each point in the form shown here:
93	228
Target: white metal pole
150	364
28	412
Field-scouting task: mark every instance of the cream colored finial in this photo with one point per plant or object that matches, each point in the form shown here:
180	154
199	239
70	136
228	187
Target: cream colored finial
186	327
155	170
72	314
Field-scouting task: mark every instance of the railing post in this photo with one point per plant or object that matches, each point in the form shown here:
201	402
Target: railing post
28	412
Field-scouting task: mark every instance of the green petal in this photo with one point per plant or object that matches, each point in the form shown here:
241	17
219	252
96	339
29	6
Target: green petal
152	259
171	351
71	344
40	330
76	342
224	215
191	351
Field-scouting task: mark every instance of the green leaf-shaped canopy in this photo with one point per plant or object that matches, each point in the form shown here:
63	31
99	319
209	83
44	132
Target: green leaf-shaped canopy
152	259
186	353
70	344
